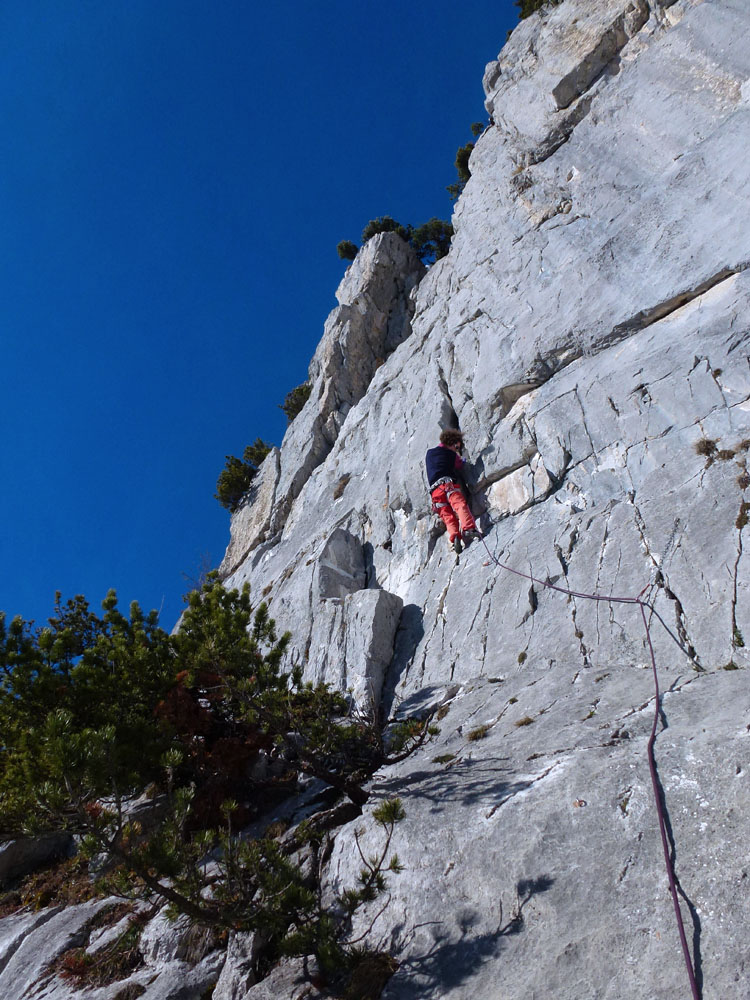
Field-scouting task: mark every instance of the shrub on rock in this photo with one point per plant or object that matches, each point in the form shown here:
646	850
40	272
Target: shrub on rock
237	475
295	400
347	250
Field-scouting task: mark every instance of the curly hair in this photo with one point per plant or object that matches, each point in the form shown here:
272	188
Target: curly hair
451	438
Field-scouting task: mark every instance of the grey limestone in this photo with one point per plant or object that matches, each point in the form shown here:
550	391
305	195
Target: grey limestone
23	855
590	334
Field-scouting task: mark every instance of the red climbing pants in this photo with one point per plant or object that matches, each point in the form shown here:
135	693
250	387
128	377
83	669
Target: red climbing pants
448	501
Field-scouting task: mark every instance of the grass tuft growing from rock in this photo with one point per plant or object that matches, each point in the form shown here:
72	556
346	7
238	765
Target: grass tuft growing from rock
706	447
742	516
112	963
338	490
64	883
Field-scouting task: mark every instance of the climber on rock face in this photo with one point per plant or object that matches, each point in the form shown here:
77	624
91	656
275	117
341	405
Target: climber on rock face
443	472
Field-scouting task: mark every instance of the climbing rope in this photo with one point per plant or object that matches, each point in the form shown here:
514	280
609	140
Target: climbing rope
655	784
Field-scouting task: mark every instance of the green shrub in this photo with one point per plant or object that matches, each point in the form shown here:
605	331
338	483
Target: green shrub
385	224
295	399
96	709
462	167
528	7
237	475
347	250
256	452
462	162
76	708
430	241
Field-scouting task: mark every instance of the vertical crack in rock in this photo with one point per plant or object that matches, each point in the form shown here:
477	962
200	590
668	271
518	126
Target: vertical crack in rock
736	633
660	580
714	373
585	425
563	559
438	623
599	566
449	417
533	604
483	632
409	663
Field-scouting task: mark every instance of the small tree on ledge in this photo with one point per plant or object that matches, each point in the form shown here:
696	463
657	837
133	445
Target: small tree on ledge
528	7
237	475
296	399
347	250
430	241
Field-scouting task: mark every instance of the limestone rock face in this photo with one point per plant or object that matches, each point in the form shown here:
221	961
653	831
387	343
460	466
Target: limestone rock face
175	968
23	855
590	334
373	317
251	522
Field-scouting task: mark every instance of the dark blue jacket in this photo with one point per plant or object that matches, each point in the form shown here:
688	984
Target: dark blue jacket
441	462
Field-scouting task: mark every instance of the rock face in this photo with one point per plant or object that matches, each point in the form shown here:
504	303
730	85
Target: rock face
24	855
590	334
373	317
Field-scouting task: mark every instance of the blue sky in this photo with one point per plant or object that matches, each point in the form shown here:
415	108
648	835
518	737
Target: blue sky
174	178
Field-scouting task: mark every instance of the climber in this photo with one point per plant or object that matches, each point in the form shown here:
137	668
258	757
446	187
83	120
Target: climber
443	472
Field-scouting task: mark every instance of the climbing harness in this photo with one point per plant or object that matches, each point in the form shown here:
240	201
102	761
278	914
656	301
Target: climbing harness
447	482
655	784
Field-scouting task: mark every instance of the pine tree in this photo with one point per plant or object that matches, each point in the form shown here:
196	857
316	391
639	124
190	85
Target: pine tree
528	7
96	708
237	475
295	399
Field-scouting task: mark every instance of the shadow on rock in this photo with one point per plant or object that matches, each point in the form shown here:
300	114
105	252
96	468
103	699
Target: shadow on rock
465	783
408	636
449	963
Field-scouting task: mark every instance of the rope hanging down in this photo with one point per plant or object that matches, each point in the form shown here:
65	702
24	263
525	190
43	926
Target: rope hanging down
642	604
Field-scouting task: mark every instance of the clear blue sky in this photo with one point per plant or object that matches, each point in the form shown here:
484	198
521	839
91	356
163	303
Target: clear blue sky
175	177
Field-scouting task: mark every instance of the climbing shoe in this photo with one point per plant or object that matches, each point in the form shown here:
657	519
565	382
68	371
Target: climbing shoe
455	544
469	536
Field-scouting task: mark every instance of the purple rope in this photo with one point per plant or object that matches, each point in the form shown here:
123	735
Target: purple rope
650	748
